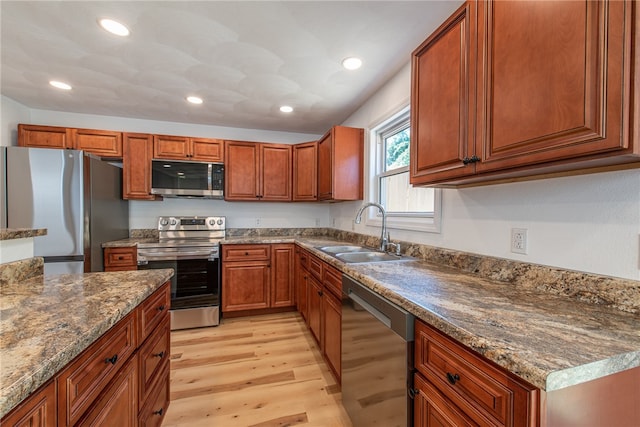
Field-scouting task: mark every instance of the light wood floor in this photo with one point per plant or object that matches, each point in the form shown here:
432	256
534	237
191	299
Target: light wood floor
252	371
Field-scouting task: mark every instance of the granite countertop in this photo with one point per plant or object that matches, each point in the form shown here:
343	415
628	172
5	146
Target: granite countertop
21	233
46	321
551	341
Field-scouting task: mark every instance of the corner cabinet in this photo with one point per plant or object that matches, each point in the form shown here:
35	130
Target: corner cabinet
340	164
257	171
513	89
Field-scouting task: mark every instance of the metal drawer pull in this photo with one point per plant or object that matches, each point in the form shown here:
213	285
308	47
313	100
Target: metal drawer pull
111	359
160	308
158	412
453	378
158	354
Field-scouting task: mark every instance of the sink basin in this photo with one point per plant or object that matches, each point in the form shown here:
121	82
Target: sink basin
343	248
354	257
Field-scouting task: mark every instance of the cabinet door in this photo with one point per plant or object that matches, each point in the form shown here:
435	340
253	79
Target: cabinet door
432	409
314	308
171	147
325	167
305	175
282	278
245	285
275	178
332	331
118	405
207	150
136	166
44	136
443	101
104	143
241	170
555	82
39	410
301	284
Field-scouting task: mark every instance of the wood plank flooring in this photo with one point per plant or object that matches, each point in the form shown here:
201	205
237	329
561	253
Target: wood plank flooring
255	371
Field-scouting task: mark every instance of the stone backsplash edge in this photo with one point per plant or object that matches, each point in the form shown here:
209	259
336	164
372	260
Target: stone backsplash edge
618	293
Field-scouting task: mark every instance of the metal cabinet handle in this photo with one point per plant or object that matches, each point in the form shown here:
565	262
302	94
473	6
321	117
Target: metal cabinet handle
320	293
453	378
413	392
161	308
113	359
472	159
158	354
158	412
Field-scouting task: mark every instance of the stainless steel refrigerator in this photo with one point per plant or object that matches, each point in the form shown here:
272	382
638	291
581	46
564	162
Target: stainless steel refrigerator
75	196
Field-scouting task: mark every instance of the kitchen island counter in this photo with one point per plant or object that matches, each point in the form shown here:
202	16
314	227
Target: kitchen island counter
47	321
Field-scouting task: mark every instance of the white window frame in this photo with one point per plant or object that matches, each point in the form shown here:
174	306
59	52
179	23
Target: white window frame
418	221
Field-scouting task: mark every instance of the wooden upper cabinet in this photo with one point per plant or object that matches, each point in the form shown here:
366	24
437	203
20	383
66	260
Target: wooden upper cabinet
340	164
442	100
241	170
44	136
136	166
275	172
516	89
103	143
186	148
255	171
305	172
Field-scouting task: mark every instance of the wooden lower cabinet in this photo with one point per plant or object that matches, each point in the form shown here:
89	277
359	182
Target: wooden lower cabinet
321	306
257	277
432	409
467	385
121	259
39	410
111	382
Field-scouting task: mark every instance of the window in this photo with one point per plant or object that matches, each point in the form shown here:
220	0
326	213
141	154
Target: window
412	208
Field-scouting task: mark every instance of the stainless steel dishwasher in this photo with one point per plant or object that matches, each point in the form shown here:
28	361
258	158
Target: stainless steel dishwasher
377	358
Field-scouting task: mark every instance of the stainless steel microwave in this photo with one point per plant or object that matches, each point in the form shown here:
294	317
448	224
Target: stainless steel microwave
171	178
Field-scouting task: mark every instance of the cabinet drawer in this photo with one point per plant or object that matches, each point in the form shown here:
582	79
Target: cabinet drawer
332	280
315	267
85	378
153	310
245	252
153	356
153	411
303	258
117	259
467	379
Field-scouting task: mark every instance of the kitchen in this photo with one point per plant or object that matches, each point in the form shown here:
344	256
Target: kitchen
588	223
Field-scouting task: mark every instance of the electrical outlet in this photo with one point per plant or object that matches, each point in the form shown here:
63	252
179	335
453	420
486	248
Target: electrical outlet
317	222
257	221
519	240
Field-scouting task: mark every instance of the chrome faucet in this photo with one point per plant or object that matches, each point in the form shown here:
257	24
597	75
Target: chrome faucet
384	235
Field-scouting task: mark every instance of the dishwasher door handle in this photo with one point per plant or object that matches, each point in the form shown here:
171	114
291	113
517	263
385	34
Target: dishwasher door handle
371	309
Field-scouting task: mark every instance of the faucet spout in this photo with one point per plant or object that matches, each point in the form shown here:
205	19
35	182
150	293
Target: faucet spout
384	236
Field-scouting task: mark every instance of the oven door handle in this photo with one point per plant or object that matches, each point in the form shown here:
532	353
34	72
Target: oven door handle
178	256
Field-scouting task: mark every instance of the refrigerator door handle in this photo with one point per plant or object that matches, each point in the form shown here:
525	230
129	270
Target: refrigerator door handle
68	192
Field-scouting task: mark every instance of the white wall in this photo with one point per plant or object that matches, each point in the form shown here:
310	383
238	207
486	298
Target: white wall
143	214
588	223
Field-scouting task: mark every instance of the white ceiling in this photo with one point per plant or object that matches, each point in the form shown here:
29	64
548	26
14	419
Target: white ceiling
244	58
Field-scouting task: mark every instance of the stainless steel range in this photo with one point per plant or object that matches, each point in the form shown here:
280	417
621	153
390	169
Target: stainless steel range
191	246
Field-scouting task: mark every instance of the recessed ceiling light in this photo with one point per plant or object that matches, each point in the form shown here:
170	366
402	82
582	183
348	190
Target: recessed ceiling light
114	27
194	99
60	85
286	109
352	63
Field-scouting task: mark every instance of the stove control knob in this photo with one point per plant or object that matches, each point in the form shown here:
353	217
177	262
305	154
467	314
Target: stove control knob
212	222
164	222
173	221
220	221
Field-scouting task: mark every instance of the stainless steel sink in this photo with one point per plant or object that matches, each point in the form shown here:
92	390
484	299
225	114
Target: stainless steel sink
354	257
343	248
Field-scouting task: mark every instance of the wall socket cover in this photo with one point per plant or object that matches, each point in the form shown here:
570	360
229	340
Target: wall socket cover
519	240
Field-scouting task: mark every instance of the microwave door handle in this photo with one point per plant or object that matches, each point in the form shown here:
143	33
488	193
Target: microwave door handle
209	179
